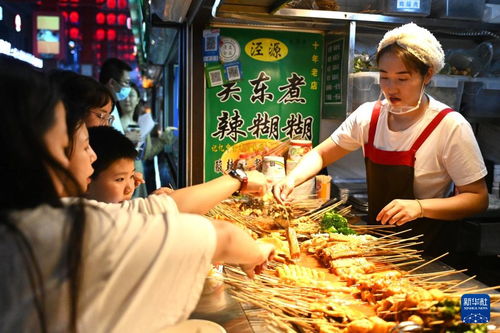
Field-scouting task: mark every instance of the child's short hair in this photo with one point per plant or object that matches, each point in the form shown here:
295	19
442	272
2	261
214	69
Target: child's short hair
109	145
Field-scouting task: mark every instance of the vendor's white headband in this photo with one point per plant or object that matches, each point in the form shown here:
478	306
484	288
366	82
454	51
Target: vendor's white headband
418	41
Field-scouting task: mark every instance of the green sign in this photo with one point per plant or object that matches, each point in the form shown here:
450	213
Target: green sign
333	79
278	95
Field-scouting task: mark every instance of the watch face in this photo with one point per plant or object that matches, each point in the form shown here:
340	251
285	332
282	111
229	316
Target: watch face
240	174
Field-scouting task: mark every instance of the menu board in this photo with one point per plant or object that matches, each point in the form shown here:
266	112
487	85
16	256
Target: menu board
335	75
277	96
333	71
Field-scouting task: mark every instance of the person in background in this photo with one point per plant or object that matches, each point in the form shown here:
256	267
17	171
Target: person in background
133	133
416	149
152	144
115	74
128	107
86	96
69	266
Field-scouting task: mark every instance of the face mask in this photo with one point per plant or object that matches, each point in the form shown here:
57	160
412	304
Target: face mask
123	93
402	109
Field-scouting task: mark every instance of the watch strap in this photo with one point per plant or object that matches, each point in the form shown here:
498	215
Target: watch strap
241	176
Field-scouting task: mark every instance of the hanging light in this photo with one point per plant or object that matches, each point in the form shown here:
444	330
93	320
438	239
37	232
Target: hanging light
122	19
17	22
122	4
111	4
100	18
74	17
111	34
100	34
111	19
74	33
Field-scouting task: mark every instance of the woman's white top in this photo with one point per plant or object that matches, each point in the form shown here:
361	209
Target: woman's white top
145	266
449	155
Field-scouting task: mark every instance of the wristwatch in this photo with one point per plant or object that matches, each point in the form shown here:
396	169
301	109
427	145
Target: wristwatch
241	176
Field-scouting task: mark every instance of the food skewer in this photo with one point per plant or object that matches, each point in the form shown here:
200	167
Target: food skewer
473	291
462	282
289	306
427	263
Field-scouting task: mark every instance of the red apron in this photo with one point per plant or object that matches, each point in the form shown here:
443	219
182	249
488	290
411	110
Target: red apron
390	176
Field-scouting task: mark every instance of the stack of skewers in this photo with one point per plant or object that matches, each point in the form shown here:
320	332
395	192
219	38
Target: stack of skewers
334	282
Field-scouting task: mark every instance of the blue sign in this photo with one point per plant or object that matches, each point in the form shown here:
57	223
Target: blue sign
475	308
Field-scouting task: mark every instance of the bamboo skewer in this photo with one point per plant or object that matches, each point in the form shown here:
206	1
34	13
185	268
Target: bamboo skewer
321	212
287	307
462	282
482	289
375	226
408	263
427	263
437	275
431	273
401	239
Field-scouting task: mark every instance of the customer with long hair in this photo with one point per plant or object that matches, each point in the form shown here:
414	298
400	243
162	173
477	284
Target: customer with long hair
69	265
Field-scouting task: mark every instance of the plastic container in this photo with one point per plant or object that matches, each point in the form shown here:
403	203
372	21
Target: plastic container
298	148
407	7
447	89
458	9
366	88
323	187
480	98
304	190
274	168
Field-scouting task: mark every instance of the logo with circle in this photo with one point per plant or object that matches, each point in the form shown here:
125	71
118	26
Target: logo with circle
229	49
266	49
475	308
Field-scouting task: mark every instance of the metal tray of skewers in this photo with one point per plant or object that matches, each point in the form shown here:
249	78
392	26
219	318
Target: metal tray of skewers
330	275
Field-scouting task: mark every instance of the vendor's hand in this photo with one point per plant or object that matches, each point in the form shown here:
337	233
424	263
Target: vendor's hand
163	190
266	254
138	179
257	184
399	212
283	189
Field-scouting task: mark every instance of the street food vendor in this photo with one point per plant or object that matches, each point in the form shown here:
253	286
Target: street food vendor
423	164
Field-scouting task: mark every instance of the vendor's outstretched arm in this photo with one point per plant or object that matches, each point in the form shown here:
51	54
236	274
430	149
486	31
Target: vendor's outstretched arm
322	155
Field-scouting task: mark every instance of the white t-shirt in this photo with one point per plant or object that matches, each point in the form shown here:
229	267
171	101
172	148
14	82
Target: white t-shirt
143	272
152	204
450	153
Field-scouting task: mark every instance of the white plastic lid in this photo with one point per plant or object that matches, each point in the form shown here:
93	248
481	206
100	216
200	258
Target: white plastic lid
274	158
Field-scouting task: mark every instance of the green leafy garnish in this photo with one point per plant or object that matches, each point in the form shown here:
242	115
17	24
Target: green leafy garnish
335	223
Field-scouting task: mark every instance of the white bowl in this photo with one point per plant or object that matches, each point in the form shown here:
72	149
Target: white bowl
196	326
